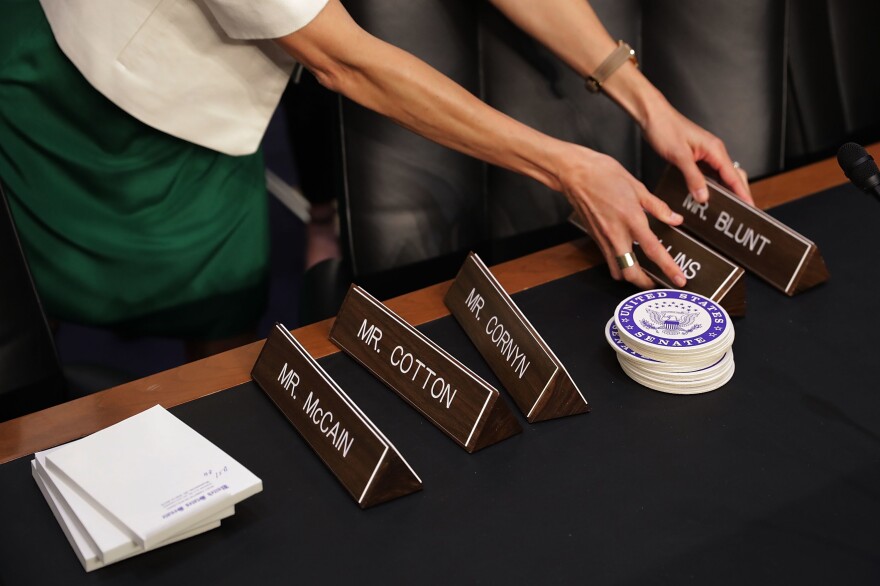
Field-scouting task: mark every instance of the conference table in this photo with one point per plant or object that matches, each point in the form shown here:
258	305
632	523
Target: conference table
773	478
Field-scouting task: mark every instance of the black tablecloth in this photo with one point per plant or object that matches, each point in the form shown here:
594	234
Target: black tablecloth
775	478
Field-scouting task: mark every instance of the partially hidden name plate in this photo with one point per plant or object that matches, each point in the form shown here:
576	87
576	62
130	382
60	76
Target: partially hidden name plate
746	235
365	462
708	273
519	357
456	400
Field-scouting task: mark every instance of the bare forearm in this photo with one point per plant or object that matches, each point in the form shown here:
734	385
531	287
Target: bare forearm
571	29
392	82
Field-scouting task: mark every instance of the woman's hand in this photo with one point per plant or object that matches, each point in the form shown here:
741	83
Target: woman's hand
572	30
612	204
684	144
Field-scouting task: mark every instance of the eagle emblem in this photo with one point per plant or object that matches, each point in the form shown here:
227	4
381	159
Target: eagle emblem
673	323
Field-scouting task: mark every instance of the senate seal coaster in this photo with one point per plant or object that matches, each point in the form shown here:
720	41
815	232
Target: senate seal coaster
612	336
674	326
692	376
673	341
679	388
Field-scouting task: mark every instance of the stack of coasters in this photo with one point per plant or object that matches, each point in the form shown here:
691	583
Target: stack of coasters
673	341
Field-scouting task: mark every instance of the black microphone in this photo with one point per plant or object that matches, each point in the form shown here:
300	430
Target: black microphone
859	167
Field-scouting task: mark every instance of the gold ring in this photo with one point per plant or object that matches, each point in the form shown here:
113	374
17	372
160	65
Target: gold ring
626	260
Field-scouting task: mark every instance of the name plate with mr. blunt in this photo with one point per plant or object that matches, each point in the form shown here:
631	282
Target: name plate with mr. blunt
519	357
708	273
365	462
441	388
746	235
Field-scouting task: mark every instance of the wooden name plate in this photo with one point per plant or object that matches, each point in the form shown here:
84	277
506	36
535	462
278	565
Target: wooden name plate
746	235
708	273
517	354
365	462
453	398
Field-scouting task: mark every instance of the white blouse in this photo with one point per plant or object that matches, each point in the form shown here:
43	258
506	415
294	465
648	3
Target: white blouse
200	70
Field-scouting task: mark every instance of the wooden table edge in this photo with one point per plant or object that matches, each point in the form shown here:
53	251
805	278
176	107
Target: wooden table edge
68	421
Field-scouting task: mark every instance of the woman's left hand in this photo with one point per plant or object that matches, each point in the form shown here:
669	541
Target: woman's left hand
684	144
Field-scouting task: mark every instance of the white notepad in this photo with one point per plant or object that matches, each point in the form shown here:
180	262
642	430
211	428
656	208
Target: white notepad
152	476
110	542
88	556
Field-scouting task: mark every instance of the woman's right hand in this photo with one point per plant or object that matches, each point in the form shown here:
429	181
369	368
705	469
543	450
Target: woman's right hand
612	205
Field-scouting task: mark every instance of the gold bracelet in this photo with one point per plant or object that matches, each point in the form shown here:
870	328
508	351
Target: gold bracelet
612	63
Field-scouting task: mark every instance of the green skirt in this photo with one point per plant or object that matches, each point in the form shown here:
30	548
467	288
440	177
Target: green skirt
122	225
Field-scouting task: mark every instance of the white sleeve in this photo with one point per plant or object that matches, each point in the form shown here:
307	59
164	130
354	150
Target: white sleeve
263	19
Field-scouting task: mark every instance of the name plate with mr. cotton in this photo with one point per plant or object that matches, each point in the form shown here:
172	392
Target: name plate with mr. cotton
747	235
362	458
441	388
519	357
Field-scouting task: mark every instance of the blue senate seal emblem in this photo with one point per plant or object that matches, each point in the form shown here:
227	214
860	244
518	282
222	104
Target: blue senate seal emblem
672	318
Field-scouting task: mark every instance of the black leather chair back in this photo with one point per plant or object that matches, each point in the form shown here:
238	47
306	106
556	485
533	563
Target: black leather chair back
407	200
523	79
834	87
30	374
722	64
732	67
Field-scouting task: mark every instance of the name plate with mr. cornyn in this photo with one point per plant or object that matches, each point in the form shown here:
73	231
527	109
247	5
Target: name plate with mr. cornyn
526	366
356	451
460	403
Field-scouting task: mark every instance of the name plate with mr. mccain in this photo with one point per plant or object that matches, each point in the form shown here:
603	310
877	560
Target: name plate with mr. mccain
365	462
441	388
517	354
747	235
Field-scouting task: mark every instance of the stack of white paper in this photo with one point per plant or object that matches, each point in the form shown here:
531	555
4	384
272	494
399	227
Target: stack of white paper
145	482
